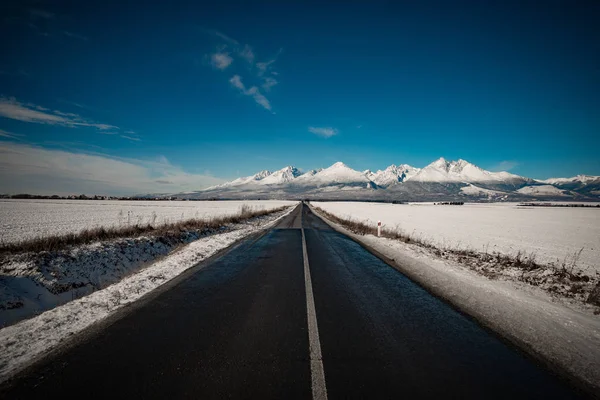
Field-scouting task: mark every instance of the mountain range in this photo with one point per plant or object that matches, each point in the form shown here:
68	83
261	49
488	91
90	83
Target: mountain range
441	180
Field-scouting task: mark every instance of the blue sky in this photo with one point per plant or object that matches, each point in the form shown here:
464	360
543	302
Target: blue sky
122	99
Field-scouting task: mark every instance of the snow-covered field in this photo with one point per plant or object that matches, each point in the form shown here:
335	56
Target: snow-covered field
27	219
551	233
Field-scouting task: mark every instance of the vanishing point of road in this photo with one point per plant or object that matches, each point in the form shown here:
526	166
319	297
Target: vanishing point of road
299	311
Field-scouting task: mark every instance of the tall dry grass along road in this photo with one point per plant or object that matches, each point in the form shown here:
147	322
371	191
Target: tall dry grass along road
298	312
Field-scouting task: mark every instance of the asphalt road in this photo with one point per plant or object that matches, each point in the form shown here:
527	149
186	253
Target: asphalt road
240	327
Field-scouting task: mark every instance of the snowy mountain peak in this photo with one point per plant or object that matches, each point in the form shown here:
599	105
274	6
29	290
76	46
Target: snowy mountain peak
402	178
338	164
442	170
284	175
261	175
439	163
392	175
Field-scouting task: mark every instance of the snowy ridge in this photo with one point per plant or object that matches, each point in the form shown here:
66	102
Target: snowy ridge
440	179
284	175
583	179
392	174
458	171
338	173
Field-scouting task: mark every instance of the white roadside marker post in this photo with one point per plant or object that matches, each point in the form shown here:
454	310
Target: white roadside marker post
378	228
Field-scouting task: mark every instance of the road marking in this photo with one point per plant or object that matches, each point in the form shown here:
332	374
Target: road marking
319	390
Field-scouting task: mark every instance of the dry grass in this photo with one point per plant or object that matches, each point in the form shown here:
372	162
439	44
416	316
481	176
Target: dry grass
61	242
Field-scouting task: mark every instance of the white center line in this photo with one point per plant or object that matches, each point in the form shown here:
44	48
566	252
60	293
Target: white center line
319	390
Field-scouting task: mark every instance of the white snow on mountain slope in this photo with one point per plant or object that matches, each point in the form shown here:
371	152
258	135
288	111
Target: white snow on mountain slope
584	179
477	191
338	173
458	171
284	175
392	174
542	190
243	180
393	177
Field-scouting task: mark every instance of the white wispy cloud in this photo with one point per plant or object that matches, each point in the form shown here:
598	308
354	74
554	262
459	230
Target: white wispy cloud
247	54
325	132
254	92
133	138
236	81
30	169
261	73
220	60
264	66
223	36
268	83
75	35
9	135
39	13
259	97
505	165
28	112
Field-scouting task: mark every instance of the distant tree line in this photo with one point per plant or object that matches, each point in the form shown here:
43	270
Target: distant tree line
449	203
84	197
558	205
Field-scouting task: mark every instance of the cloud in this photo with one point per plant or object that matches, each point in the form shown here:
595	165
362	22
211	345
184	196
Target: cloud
9	135
11	108
324	132
258	97
36	170
247	54
236	81
263	66
505	165
39	13
75	35
254	92
222	36
135	139
268	83
220	60
262	71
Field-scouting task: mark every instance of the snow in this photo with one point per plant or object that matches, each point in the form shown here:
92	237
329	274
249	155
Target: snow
477	191
392	174
27	219
337	173
542	190
585	179
284	175
524	315
23	343
551	233
243	180
458	171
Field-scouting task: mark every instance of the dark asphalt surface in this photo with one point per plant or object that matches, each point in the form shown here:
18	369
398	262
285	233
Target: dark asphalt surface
237	328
